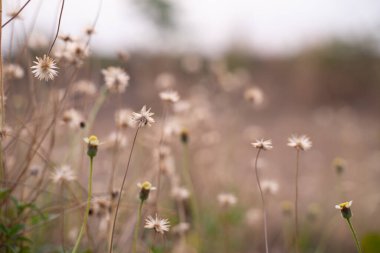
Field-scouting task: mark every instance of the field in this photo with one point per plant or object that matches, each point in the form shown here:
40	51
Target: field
183	153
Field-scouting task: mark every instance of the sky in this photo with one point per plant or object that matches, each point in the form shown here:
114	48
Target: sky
269	27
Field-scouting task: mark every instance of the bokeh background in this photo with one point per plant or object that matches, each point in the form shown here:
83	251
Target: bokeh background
316	64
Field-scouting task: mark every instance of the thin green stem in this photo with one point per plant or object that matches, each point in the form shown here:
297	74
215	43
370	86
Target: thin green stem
354	235
136	236
263	201
121	192
84	224
296	203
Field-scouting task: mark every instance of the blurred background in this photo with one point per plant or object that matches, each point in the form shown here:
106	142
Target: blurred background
250	69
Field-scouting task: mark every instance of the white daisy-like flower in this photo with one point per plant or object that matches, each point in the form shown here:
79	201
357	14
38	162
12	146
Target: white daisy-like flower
76	52
116	79
227	199
146	186
169	96
269	186
92	141
344	205
263	144
63	173
159	225
45	68
299	142
144	117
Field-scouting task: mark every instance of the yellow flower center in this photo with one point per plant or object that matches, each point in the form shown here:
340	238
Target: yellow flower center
93	140
146	185
345	205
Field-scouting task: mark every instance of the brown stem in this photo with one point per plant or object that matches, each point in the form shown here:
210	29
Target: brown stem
15	16
59	25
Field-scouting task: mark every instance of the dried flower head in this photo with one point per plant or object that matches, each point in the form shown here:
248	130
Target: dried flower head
72	118
116	79
263	144
227	199
181	228
44	68
169	96
123	119
63	173
159	225
299	142
269	186
143	118
180	193
254	95
13	71
85	87
76	52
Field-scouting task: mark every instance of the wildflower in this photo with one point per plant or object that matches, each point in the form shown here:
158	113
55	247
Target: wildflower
116	139
63	173
13	71
143	118
76	52
227	199
254	95
345	209
89	30
66	38
93	143
123	119
145	187
184	135
169	96
180	193
116	79
165	81
339	165
299	142
72	118
85	87
252	216
181	228
263	144
269	186
159	225
44	68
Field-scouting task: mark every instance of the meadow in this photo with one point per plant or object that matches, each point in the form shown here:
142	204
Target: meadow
183	153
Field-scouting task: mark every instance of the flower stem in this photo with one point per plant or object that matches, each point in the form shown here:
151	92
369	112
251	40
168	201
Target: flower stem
136	236
87	208
121	191
263	201
296	203
354	235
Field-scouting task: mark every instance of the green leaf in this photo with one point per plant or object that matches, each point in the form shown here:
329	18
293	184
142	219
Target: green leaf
371	243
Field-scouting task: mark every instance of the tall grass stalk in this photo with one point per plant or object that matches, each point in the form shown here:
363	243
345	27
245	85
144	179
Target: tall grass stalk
354	235
136	235
296	203
84	224
263	202
121	192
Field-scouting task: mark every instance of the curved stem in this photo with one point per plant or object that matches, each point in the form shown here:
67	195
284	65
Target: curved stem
263	201
87	208
136	236
17	13
121	191
296	203
354	235
59	25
